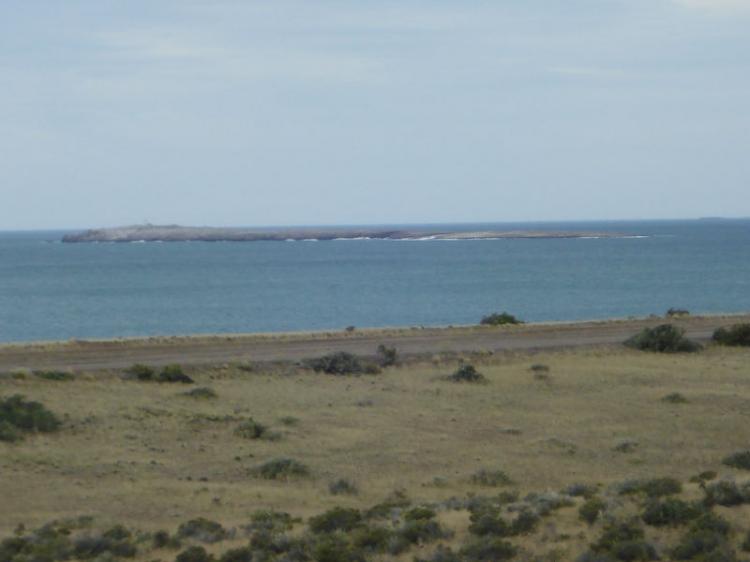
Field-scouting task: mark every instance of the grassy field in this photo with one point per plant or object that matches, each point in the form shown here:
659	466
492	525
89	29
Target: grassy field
148	456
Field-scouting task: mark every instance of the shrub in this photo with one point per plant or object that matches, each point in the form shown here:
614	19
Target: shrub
675	398
704	477
616	533
251	429
282	469
488	521
58	376
488	549
703	545
341	363
419	513
740	459
270	521
466	373
18	415
713	523
201	393
670	512
174	374
91	547
203	530
539	368
725	493
441	554
421	531
289	420
336	519
658	487
499	319
162	539
626	446
342	486
194	554
591	509
737	335
241	554
490	478
663	339
371	539
9	432
387	356
524	523
141	372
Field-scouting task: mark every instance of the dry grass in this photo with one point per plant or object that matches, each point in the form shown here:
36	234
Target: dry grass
143	455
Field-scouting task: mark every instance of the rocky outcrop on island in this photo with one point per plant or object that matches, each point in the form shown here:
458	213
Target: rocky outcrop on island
175	233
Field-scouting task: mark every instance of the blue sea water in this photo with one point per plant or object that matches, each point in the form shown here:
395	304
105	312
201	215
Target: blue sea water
53	291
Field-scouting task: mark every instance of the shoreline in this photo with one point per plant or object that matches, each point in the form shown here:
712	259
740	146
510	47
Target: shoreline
294	346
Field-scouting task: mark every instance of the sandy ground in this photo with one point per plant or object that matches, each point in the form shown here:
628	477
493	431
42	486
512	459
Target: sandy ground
198	350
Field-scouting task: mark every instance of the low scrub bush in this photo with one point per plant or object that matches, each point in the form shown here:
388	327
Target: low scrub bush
491	478
387	356
203	530
663	339
591	509
670	512
18	415
467	373
623	541
194	554
342	486
336	519
174	374
341	363
251	429
675	398
488	549
201	393
737	335
677	313
499	319
740	459
282	469
726	493
58	376
241	554
140	372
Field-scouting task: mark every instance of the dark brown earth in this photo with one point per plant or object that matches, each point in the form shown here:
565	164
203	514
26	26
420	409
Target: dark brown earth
196	350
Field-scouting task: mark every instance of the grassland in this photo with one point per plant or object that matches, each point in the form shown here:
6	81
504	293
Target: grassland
149	457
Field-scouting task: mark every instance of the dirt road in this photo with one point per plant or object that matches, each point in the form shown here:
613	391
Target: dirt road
113	354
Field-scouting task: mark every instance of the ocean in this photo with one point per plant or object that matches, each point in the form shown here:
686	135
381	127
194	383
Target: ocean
55	291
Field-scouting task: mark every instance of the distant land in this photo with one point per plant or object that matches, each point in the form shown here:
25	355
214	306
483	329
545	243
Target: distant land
176	233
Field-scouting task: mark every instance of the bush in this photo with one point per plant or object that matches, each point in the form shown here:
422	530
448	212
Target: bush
270	521
141	372
725	493
491	478
282	469
466	373
58	376
740	459
488	521
658	487
524	523
677	312
616	533
670	512
203	530
705	546
201	393
241	554
194	554
336	519
371	539
488	549
341	363
342	486
251	429
174	374
675	398
499	319
591	509
420	531
737	335
387	356
663	339
18	415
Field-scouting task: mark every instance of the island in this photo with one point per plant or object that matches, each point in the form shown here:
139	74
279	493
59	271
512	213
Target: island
176	233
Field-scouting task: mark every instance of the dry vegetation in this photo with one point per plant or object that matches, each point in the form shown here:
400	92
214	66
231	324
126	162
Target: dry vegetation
150	457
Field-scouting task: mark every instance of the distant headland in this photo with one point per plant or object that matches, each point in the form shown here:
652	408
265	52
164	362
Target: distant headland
176	233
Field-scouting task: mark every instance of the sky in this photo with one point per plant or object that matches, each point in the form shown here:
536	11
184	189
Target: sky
253	113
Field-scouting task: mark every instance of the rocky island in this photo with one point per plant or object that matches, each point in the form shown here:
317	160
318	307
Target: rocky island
176	233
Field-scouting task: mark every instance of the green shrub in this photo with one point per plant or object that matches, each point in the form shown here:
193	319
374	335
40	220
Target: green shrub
371	539
270	521
420	513
9	432
203	530
141	372
20	415
657	487
421	531
499	319
162	539
616	533
194	554
174	374
625	446
675	398
740	459
251	429
703	477
591	509
663	339
737	335
333	548
524	523
441	554
342	486
677	313
282	469
387	356
713	523
241	554
87	547
487	521
466	373
289	420
341	363
491	478
703	546
488	549
725	493
335	519
539	368
670	512
201	393
58	376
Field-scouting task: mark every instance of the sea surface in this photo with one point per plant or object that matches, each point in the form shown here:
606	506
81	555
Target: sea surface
55	291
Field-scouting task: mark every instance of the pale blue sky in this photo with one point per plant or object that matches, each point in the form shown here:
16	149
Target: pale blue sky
260	113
